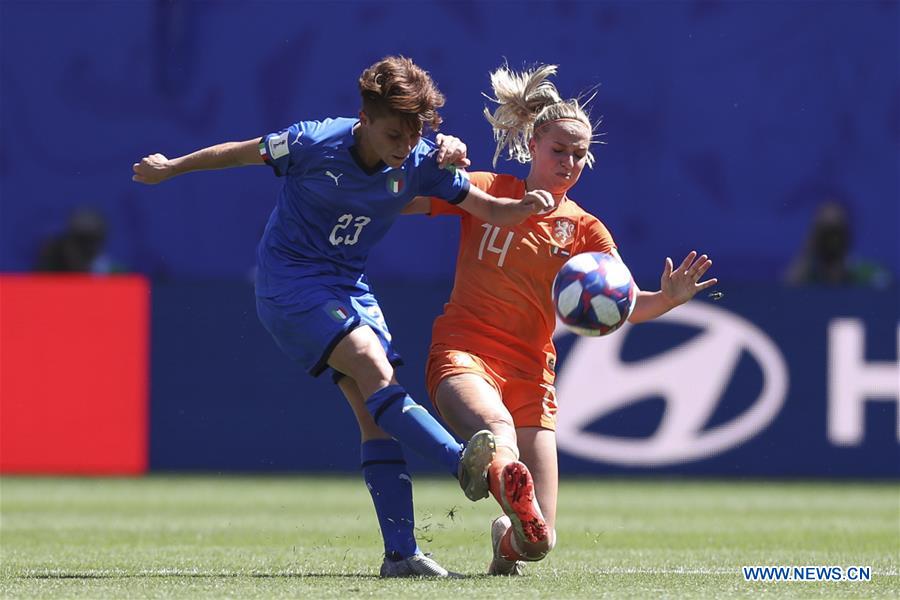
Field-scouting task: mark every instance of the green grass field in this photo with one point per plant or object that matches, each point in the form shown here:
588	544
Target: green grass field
305	537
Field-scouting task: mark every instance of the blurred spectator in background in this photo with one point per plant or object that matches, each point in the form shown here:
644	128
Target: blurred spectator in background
78	249
826	258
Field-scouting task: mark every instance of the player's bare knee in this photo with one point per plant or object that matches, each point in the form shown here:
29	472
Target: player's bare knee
501	425
377	376
367	365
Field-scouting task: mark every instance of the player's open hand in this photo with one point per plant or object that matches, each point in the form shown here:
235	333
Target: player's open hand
451	151
680	284
152	169
539	201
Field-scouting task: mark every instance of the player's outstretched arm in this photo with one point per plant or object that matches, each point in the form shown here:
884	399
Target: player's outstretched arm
156	168
506	211
677	286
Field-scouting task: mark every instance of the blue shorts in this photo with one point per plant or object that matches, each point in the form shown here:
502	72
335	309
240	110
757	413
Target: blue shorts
309	335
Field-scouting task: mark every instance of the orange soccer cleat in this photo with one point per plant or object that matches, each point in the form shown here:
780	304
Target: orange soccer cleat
517	499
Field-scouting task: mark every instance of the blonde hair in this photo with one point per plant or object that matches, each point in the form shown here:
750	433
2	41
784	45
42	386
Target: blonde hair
526	101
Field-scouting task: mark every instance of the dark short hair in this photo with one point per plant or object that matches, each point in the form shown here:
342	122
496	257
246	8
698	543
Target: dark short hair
395	85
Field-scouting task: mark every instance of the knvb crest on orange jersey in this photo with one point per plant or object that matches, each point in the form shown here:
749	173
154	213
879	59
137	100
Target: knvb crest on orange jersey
563	231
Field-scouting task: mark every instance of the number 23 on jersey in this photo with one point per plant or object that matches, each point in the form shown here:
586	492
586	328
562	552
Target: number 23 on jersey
347	230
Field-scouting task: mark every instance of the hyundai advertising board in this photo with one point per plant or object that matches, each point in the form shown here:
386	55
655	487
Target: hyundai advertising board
765	382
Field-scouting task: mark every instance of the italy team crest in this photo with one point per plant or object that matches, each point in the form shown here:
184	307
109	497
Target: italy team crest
336	311
396	182
563	231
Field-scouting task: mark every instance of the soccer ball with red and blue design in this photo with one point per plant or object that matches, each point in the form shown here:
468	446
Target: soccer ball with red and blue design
594	293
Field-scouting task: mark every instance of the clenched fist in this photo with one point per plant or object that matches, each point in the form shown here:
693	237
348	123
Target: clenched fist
539	201
152	169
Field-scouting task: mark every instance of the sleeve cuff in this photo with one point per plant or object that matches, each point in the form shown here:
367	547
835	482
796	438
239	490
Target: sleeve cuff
264	153
462	193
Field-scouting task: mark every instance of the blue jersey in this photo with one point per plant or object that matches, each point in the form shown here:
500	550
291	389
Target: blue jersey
331	210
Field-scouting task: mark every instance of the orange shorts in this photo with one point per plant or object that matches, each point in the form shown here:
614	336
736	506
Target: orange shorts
531	403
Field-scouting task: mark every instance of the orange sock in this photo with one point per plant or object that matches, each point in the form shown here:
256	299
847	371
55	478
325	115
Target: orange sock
495	469
507	550
510	551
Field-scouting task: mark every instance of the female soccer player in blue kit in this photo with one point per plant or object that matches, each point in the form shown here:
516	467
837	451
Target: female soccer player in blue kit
346	180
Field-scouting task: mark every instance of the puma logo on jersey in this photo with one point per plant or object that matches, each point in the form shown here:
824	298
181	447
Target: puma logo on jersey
335	177
297	139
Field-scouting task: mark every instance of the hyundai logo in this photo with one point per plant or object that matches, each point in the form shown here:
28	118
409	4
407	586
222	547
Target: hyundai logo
691	378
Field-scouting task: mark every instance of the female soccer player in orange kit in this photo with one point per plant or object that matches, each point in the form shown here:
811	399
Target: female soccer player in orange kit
492	358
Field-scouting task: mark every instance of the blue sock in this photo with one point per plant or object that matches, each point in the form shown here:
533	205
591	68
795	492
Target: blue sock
409	423
384	471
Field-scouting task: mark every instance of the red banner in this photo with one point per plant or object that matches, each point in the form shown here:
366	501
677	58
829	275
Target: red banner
74	374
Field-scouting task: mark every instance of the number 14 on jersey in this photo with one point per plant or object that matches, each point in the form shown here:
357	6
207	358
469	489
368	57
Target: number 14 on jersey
489	242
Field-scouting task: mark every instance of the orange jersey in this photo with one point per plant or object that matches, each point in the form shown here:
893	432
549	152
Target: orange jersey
502	306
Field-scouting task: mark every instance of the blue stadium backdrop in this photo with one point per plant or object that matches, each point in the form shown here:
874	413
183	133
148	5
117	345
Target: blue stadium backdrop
725	123
724	126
